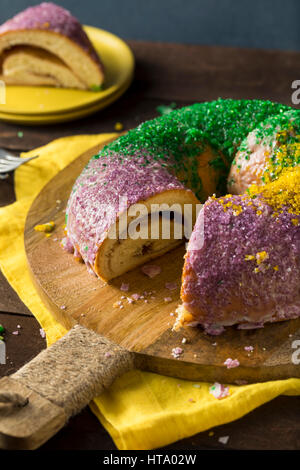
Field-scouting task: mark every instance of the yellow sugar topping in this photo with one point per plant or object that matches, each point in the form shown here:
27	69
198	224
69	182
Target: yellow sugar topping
237	209
261	256
47	227
118	126
287	155
283	192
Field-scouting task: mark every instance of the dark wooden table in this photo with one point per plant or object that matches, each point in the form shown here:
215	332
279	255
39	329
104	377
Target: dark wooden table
165	73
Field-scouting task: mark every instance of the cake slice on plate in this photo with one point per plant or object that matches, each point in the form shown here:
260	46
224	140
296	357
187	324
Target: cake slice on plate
46	45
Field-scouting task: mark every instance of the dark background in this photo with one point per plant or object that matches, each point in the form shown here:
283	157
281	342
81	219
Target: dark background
270	24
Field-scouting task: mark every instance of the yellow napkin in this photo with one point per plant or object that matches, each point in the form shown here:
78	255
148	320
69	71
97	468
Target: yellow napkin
141	410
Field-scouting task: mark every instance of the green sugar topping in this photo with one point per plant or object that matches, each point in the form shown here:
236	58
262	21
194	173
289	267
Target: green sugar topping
281	134
183	133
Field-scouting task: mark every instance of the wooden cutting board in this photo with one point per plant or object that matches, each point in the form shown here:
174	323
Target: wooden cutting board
145	326
106	341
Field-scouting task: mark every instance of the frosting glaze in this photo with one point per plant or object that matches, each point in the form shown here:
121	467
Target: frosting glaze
51	17
243	259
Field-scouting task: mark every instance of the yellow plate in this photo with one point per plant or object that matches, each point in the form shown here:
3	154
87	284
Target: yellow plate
35	119
118	61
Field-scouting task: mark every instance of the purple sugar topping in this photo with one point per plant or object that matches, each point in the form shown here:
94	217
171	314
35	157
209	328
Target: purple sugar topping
225	281
51	17
107	187
67	245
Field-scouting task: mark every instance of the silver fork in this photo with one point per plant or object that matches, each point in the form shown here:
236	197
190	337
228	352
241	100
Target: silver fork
9	162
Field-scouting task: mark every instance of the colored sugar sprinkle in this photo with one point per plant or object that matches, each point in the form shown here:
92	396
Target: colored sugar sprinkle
165	109
96	87
118	126
42	333
261	257
151	270
231	363
136	296
124	287
214	330
171	285
219	391
223	439
47	227
176	352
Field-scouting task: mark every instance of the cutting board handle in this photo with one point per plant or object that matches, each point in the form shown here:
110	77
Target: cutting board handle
37	401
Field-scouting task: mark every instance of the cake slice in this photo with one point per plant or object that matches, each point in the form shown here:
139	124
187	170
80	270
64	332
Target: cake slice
46	45
243	260
117	209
